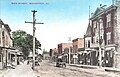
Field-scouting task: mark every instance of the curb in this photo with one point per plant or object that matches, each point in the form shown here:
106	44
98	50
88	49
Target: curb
112	70
85	66
96	67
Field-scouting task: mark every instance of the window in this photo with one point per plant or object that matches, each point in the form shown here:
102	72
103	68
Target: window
97	40
88	43
3	38
6	40
0	32
109	38
0	58
108	20
101	26
94	26
0	26
93	40
0	38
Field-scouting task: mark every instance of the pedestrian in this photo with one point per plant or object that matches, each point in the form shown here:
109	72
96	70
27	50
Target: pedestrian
18	62
27	62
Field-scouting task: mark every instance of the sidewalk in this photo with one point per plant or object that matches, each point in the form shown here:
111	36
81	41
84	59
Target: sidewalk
96	67
22	70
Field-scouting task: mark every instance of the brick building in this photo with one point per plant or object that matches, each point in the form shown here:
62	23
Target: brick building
105	34
63	49
63	46
77	43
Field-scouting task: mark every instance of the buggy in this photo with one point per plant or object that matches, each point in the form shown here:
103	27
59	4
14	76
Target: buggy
60	62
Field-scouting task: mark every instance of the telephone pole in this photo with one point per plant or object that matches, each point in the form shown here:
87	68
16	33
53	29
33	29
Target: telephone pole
34	22
69	39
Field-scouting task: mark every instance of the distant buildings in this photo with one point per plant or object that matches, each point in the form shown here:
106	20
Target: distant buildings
45	54
77	43
53	54
63	46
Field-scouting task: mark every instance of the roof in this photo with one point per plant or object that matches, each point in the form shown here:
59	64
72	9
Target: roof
5	25
1	22
98	10
81	49
101	10
88	31
77	39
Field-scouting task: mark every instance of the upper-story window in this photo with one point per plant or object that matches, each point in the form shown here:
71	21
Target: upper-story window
0	26
0	37
6	40
88	43
94	40
0	32
94	26
108	20
108	38
97	39
101	25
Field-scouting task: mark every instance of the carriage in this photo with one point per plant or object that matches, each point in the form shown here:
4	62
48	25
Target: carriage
60	62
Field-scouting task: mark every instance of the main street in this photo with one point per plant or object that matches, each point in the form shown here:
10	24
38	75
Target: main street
47	69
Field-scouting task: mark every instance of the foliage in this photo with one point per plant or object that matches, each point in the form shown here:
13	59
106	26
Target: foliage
25	41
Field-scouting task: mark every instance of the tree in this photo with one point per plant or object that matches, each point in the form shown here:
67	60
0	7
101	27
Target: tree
25	41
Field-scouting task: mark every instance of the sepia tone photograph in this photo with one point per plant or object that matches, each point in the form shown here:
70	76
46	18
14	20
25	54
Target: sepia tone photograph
59	38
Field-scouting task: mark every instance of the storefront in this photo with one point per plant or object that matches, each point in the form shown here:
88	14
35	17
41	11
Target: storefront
7	56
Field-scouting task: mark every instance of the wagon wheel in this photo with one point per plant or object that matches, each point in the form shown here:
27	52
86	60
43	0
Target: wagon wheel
64	65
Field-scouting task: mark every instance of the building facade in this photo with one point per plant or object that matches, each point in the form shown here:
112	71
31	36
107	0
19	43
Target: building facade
65	49
102	23
77	43
105	30
63	46
6	49
117	35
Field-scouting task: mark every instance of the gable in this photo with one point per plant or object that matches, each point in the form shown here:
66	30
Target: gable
98	10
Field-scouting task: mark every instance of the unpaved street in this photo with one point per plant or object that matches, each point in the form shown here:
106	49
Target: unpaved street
47	69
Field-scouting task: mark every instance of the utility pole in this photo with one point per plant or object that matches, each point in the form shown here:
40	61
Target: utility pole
100	42
69	39
34	22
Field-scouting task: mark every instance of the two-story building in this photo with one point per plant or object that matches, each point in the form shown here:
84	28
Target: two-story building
65	49
7	52
78	44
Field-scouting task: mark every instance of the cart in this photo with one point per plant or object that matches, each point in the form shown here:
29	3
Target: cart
60	62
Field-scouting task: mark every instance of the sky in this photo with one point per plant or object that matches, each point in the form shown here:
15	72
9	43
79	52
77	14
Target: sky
61	18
